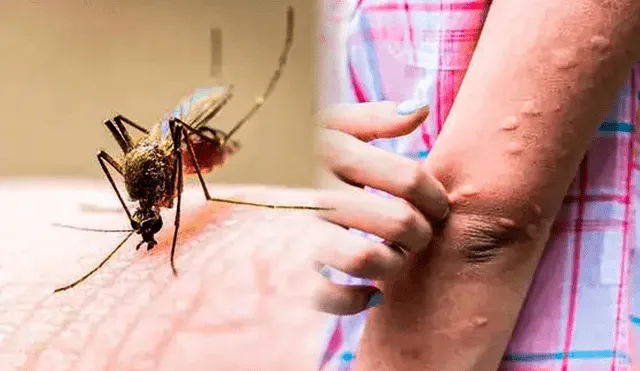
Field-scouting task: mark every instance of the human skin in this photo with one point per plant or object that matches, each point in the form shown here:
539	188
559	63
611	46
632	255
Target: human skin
556	72
241	300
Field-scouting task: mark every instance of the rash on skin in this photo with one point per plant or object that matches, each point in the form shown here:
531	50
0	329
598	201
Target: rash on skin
489	230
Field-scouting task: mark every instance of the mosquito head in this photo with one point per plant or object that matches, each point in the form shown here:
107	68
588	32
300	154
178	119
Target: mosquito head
147	222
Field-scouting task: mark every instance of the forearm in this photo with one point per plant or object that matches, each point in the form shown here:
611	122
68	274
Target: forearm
542	78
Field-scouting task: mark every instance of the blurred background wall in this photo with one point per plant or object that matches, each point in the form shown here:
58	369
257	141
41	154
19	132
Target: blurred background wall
67	65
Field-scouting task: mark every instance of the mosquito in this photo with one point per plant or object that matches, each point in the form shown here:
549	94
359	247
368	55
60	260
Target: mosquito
182	143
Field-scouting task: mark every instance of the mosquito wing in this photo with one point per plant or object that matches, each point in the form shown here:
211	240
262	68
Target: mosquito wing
205	103
197	109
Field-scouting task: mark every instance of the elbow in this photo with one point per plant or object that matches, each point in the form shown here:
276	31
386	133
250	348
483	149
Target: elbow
490	239
499	220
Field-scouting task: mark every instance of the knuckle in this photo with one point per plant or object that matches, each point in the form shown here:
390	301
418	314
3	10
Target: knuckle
364	261
360	261
410	229
405	220
372	263
414	179
343	165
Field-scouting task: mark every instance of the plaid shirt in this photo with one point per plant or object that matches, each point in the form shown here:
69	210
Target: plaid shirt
581	312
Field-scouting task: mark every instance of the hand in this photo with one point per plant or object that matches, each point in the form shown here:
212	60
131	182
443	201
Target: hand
404	223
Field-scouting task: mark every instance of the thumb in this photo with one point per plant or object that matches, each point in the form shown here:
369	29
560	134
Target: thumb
369	121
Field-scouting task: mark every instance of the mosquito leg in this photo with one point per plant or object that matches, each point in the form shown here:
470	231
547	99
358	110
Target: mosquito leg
217	134
198	131
267	205
196	166
176	132
221	135
125	134
207	195
104	158
119	131
123	139
103	262
214	132
274	78
119	119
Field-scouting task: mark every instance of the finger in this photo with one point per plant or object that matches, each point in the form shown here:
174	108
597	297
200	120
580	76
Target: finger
359	163
345	299
393	220
358	256
369	121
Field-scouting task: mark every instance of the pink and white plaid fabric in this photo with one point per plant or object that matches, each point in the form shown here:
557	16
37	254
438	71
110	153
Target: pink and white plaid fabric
581	312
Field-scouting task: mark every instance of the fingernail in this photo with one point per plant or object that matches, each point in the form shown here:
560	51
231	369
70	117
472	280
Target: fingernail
325	271
409	107
375	299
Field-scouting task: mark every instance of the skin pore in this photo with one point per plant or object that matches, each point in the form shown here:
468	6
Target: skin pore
515	136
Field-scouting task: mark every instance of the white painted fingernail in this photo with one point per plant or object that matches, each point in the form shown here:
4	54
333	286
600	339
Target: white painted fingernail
325	271
410	107
422	96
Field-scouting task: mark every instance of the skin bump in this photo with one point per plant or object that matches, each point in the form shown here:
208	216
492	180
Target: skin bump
530	108
461	193
515	148
600	43
564	59
510	123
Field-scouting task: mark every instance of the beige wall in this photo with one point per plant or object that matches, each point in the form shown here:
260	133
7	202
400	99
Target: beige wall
68	65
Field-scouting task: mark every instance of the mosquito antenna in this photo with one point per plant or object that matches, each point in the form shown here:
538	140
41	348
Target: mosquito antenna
274	78
90	229
79	280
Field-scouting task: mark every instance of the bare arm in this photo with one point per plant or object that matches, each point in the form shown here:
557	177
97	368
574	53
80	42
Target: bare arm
542	78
